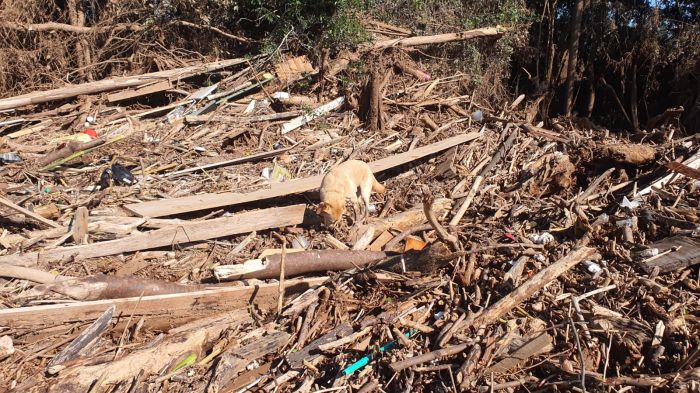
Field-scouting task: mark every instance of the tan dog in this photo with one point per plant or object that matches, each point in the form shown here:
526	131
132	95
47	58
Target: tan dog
349	180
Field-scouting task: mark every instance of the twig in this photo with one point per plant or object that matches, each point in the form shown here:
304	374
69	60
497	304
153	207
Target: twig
429	356
126	327
580	354
280	299
442	233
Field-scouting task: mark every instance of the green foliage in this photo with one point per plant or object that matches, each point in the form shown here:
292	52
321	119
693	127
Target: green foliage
332	23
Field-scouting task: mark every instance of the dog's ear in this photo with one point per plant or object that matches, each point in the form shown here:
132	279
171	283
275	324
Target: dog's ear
321	208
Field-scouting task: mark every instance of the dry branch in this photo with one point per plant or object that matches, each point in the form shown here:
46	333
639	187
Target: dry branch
114	84
440	38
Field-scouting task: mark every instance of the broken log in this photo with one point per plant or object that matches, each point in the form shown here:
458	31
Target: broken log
166	207
159	311
298	263
102	286
26	273
171	236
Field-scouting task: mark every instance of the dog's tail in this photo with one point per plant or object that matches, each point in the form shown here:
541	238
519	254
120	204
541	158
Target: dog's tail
377	186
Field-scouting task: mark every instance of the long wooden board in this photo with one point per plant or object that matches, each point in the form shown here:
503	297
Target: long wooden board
166	207
171	236
159	310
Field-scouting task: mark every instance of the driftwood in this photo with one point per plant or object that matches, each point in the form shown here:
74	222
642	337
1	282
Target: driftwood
102	286
149	360
404	220
171	236
84	340
27	273
236	358
168	207
315	261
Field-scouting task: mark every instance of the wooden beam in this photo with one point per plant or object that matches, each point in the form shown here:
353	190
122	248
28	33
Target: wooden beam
171	236
159	310
104	85
165	207
19	209
143	90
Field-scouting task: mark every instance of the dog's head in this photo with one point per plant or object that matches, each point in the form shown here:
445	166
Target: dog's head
329	213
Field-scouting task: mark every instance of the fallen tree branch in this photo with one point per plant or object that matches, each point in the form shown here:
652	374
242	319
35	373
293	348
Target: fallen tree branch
441	38
104	85
528	288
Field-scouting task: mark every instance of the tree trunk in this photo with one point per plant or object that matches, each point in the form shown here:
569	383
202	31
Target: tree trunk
634	110
573	55
591	89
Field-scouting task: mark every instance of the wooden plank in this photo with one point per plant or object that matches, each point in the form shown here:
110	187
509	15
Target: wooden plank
159	310
165	207
19	209
171	236
139	91
686	254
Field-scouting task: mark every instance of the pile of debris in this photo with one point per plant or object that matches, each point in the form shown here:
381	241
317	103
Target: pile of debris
151	247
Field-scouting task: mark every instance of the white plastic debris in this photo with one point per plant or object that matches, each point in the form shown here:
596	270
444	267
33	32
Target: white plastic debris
6	347
372	208
200	149
281	95
539	258
624	223
300	242
250	108
633	204
477	115
266	172
542	238
592	267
